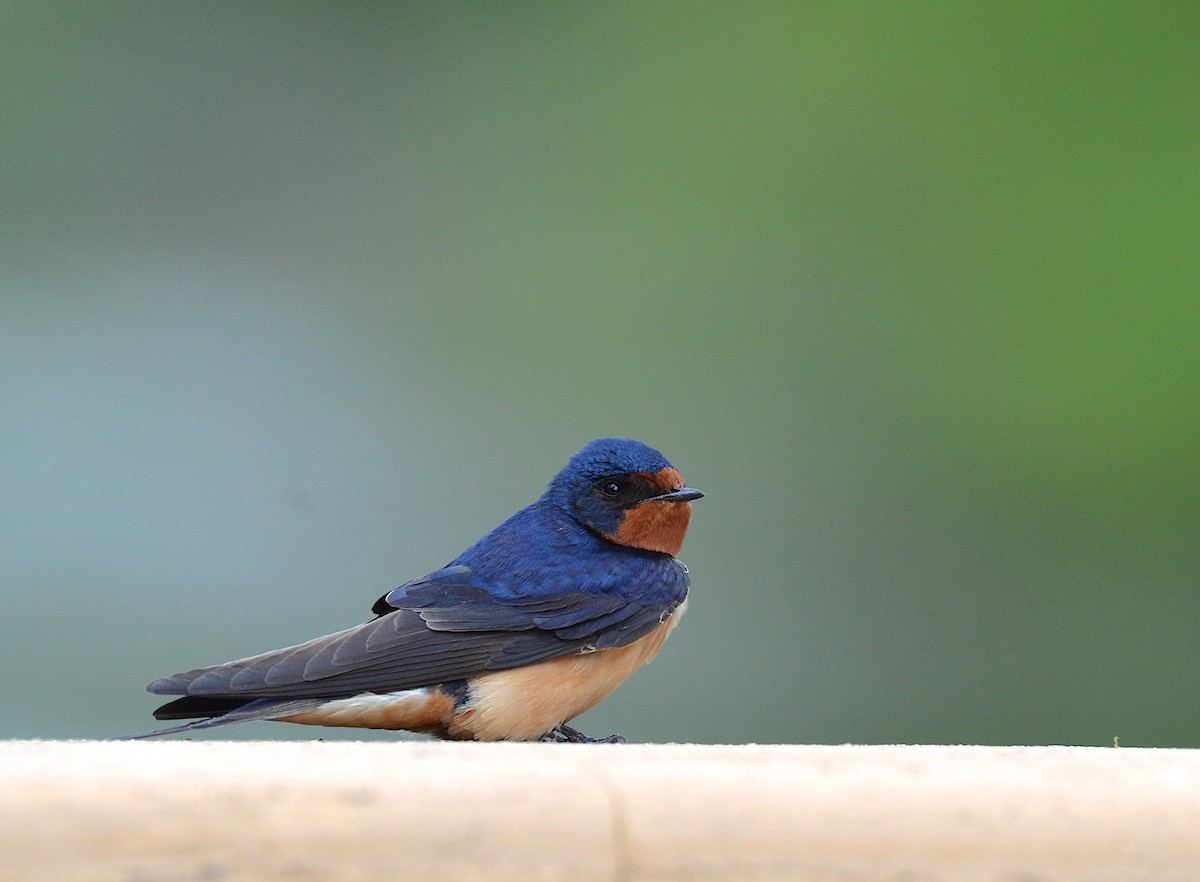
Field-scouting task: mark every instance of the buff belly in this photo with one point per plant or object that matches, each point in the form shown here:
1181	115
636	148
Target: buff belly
521	704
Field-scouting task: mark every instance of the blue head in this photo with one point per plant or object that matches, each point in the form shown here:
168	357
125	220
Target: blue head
626	492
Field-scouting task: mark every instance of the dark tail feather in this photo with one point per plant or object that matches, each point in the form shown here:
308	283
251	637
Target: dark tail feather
191	707
174	730
251	711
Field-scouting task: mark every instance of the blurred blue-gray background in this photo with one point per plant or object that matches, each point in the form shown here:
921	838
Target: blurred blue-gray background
298	300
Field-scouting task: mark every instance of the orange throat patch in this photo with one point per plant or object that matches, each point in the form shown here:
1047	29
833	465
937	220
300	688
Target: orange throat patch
655	525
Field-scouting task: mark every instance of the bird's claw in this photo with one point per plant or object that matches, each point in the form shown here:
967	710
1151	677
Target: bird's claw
563	734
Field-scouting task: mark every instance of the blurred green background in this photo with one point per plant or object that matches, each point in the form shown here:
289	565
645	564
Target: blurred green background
299	300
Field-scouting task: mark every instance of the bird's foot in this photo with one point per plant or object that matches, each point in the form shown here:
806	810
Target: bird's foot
563	734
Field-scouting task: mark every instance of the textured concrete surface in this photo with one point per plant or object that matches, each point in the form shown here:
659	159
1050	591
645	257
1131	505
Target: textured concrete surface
151	811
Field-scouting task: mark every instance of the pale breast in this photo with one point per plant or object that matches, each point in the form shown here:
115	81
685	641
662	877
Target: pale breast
525	703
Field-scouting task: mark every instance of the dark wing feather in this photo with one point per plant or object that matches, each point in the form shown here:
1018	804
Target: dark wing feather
447	629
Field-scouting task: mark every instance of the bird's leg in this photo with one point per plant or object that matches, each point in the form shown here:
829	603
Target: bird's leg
564	734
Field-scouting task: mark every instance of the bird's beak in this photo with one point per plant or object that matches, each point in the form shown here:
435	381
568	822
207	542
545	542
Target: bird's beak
683	494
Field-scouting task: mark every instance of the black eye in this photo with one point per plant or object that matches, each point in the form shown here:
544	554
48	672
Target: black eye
611	488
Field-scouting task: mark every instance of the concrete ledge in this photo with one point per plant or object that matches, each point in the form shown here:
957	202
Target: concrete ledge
141	812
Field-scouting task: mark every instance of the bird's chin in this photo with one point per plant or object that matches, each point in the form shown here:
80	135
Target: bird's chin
655	525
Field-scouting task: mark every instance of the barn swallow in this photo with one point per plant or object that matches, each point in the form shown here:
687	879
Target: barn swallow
532	625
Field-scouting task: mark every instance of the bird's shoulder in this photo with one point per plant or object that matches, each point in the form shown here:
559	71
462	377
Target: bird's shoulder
539	554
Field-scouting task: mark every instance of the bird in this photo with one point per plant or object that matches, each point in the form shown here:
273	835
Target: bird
532	625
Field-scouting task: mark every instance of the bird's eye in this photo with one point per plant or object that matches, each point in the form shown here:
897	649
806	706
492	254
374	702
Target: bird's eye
611	488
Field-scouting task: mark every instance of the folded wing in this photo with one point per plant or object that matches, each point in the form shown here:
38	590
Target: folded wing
434	630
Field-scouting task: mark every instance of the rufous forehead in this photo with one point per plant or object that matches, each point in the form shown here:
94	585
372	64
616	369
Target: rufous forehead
664	480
